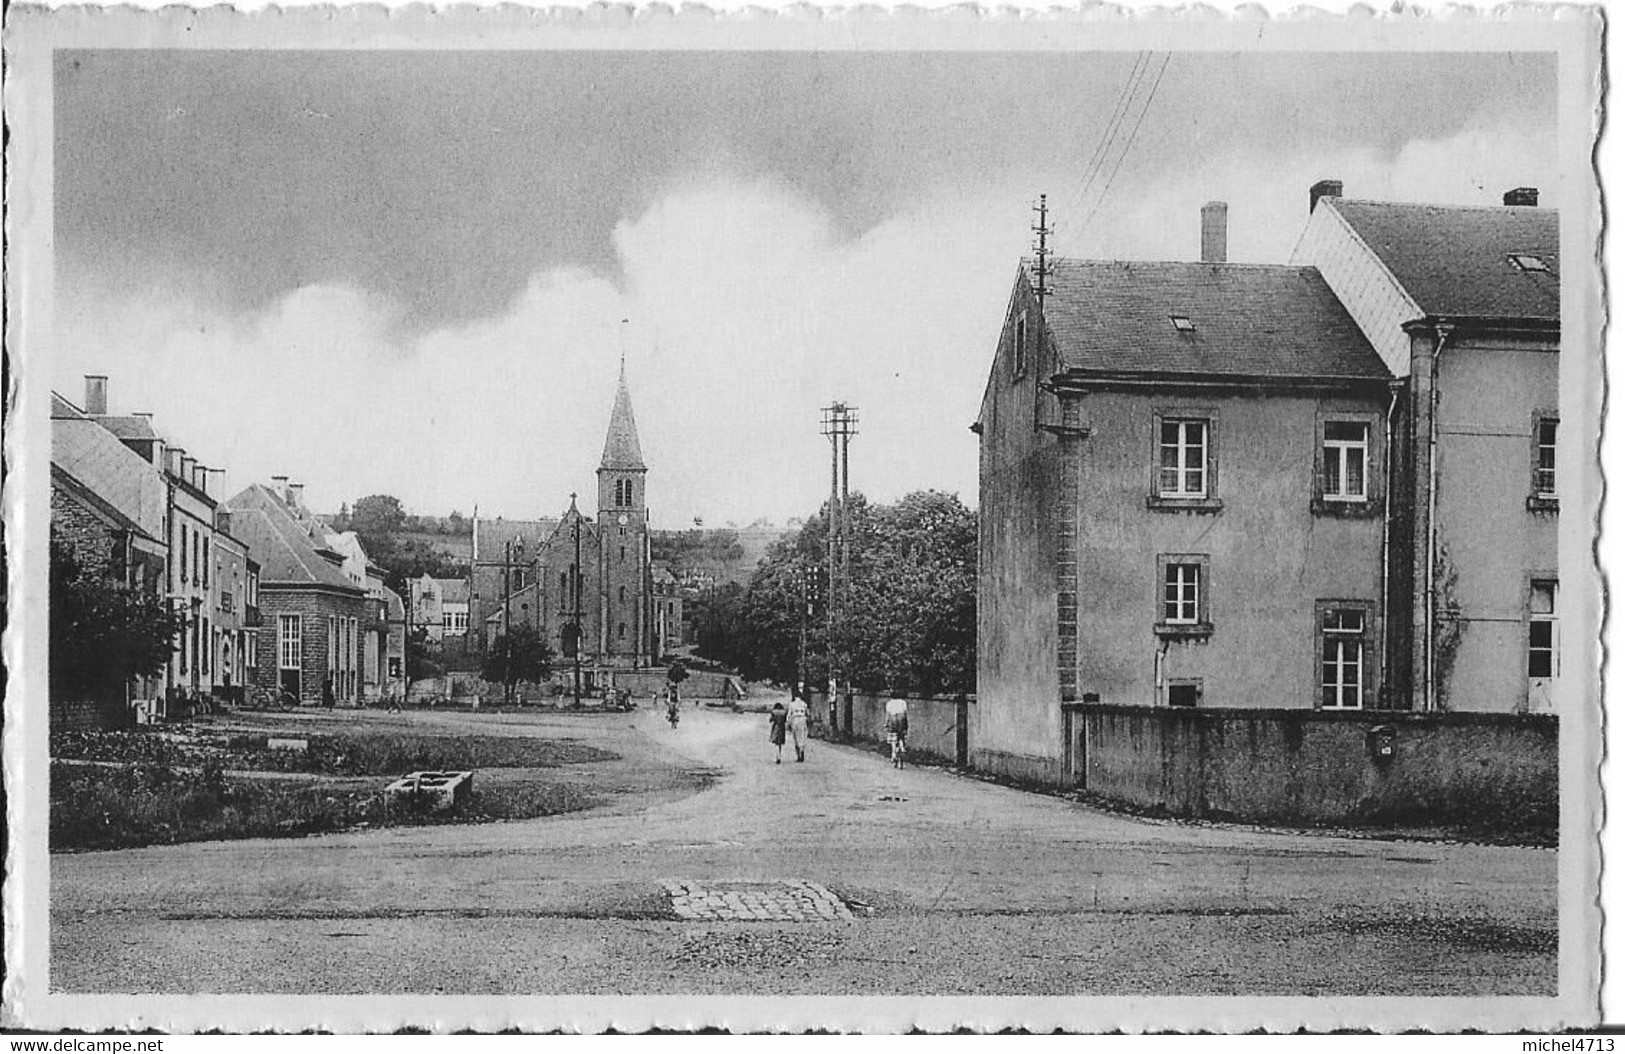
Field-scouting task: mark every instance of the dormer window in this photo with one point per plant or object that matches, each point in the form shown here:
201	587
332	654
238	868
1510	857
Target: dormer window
1528	262
1183	324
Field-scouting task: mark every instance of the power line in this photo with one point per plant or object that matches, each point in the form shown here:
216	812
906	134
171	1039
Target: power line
1128	146
1091	168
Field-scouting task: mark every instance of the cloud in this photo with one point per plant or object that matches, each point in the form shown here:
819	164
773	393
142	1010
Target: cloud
746	312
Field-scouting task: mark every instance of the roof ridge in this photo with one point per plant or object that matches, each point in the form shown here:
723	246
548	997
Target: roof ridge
1443	207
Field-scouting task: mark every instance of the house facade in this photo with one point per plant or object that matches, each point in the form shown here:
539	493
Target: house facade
1329	486
309	648
1181	501
1463	304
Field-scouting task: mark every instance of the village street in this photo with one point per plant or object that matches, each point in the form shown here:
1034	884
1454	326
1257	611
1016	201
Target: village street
945	884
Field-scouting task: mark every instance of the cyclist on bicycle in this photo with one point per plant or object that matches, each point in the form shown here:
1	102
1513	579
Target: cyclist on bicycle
897	729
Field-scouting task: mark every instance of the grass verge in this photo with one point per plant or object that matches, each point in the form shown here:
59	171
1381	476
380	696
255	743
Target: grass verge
123	806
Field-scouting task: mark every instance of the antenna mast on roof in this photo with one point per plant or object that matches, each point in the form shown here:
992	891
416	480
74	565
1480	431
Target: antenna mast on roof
1041	249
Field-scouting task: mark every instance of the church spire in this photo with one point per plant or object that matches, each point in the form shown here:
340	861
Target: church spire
621	450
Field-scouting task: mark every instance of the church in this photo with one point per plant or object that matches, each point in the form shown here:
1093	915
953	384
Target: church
585	583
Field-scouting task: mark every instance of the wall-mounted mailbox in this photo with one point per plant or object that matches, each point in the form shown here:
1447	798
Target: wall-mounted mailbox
1380	742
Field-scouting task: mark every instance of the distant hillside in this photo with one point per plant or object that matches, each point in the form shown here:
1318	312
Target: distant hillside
713	556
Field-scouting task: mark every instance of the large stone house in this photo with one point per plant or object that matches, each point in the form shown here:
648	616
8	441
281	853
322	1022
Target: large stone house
1161	523
312	612
1463	305
1326	487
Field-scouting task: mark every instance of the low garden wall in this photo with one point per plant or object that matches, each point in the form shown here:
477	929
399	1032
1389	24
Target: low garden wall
936	726
1305	766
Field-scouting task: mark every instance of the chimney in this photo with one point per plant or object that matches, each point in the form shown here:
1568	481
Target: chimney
177	456
296	495
200	477
1527	197
1215	224
95	393
1326	188
189	470
279	487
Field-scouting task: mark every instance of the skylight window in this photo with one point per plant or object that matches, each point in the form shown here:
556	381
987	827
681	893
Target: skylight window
1528	262
1182	323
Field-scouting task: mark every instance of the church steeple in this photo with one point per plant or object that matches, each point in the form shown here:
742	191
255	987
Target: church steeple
622	452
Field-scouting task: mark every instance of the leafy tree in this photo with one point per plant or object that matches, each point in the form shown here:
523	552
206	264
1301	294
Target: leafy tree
677	672
103	634
909	619
521	655
377	515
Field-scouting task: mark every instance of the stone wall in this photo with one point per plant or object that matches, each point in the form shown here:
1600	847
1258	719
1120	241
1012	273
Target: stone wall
1305	766
937	727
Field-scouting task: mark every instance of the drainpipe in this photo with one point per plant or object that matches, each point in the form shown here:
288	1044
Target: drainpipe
1387	530
1444	330
1158	662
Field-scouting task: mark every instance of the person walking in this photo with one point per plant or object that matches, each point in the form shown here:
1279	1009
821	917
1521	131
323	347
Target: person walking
776	719
798	727
897	729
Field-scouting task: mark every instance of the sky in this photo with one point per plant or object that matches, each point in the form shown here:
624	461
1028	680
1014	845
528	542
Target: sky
417	273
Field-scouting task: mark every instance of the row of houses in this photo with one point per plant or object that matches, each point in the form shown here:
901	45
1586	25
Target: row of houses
272	604
1328	485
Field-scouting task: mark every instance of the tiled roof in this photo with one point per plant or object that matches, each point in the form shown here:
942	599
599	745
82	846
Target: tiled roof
133	427
621	448
126	481
283	546
1456	261
494	534
1245	320
453	590
60	477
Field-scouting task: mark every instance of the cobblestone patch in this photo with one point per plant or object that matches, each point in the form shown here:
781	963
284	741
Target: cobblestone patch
793	901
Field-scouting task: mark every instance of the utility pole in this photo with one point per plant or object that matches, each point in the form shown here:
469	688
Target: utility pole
840	424
1041	249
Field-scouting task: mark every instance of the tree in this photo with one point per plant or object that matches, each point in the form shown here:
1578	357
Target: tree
520	655
377	515
677	672
908	621
103	634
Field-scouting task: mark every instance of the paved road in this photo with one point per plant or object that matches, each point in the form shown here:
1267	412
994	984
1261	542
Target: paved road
857	879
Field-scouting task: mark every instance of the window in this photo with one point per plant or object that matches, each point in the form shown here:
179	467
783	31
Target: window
1545	482
1185	692
1183	324
205	563
1528	262
1542	628
1342	658
1182	589
1181	594
205	642
289	646
1018	350
564	587
184	577
623	594
621	630
1344	452
1182	470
